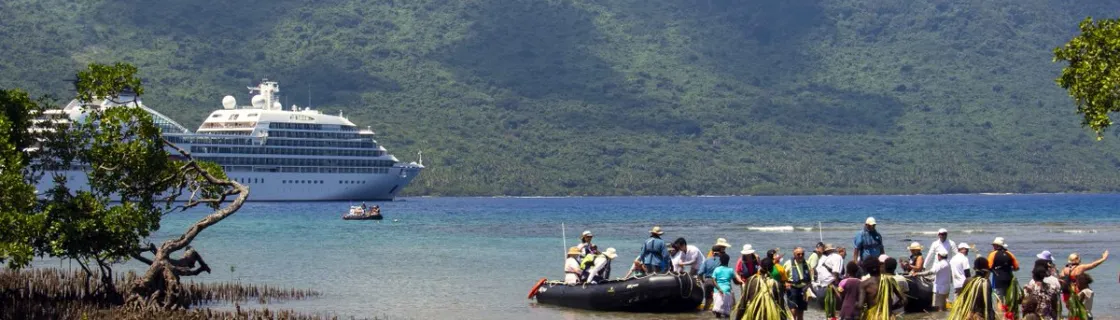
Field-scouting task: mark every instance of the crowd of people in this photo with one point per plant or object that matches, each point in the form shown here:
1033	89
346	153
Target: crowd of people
856	284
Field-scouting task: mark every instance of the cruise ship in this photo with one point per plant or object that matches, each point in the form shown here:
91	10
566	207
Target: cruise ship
297	154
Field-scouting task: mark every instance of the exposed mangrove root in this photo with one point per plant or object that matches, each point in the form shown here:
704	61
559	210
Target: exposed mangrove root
60	294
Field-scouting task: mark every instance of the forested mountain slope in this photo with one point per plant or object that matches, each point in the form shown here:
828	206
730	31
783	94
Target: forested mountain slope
542	97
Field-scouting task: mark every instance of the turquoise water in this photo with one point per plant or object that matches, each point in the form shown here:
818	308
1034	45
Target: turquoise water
475	258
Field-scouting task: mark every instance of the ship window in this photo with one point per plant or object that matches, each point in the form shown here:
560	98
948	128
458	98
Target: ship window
216	115
252	115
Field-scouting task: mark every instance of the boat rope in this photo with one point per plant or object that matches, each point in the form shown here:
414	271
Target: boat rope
691	285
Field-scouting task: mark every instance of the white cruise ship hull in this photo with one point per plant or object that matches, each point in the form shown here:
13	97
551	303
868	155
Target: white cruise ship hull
294	186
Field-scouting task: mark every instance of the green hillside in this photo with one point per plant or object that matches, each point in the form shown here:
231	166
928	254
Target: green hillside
587	97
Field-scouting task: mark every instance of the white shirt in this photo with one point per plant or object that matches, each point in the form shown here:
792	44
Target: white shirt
824	277
600	263
948	245
571	271
690	257
959	264
942	277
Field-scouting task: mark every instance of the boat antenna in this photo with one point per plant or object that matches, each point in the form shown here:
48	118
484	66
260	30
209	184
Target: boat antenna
564	234
820	230
421	154
309	94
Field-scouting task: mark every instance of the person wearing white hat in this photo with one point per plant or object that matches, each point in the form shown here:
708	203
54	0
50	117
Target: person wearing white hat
585	243
868	242
748	264
1002	264
942	278
942	242
960	266
602	268
655	254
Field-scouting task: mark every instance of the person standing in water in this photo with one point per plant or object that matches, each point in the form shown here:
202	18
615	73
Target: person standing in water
1074	269
688	255
723	296
799	280
1002	264
942	242
655	254
942	279
959	265
815	258
868	242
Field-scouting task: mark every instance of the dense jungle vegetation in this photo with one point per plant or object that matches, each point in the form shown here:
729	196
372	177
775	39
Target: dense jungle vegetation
626	97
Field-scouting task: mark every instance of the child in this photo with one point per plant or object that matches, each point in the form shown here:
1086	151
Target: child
849	293
1086	294
1030	309
723	296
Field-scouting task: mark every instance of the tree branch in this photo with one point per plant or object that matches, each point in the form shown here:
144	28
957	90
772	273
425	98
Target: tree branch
213	218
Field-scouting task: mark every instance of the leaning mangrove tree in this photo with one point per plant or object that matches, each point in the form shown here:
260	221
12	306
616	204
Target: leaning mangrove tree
133	181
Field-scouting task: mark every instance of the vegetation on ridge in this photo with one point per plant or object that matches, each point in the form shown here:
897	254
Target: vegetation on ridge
574	97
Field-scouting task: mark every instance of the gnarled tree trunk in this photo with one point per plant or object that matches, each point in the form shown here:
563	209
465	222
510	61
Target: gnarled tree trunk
159	287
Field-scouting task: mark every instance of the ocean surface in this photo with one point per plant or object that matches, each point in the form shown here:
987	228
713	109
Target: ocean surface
475	258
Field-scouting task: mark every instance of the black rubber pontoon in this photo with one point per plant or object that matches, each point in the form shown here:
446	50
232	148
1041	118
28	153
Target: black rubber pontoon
656	293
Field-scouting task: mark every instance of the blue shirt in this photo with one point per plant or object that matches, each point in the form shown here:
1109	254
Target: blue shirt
723	277
655	253
707	267
869	244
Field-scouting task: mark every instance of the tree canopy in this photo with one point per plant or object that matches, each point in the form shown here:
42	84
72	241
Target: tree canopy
1092	76
132	184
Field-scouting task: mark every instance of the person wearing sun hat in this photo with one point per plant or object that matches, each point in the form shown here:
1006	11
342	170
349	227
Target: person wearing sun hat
585	243
655	254
829	268
571	266
748	264
868	242
602	268
708	267
915	264
960	267
1003	264
943	242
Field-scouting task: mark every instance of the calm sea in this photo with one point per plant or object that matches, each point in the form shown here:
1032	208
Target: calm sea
475	258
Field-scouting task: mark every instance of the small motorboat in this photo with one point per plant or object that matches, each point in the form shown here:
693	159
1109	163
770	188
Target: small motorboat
919	297
662	293
357	213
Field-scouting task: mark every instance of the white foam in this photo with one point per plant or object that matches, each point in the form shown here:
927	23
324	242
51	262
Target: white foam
1074	231
934	233
772	229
